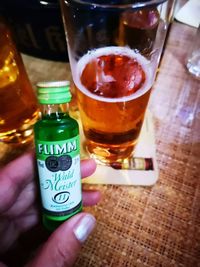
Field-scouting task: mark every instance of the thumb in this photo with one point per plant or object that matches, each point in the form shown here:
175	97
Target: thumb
63	246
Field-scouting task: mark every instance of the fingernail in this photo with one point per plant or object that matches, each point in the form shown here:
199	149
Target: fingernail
84	227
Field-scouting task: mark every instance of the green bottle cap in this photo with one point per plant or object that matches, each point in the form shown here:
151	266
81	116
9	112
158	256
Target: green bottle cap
55	92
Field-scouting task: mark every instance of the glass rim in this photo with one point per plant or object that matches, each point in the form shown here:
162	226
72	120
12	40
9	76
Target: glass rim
119	6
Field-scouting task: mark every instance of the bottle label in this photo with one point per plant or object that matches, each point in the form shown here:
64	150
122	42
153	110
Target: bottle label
59	175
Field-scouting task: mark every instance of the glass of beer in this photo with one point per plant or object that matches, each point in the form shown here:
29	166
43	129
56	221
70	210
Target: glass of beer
114	49
18	103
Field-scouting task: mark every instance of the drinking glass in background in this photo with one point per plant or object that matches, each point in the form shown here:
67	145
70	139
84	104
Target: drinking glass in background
114	50
18	104
193	60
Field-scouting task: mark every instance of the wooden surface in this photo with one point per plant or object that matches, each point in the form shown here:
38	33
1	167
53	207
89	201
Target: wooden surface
159	225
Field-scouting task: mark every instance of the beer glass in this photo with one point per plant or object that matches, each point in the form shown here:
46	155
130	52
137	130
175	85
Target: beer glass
114	49
18	104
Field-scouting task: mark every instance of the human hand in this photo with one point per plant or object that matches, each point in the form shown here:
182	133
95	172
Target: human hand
18	213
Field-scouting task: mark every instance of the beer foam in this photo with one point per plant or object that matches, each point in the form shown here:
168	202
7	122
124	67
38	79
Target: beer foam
114	50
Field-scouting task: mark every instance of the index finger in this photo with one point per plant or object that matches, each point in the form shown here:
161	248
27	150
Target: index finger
88	166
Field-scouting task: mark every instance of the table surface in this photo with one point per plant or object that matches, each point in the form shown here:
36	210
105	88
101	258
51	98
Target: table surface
157	225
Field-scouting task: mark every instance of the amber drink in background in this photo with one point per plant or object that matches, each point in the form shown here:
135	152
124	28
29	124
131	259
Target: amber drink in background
18	104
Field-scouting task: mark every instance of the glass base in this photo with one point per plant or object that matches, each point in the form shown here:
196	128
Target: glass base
193	65
17	137
106	154
21	135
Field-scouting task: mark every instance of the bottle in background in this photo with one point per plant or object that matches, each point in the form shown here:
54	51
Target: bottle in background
18	104
138	29
58	155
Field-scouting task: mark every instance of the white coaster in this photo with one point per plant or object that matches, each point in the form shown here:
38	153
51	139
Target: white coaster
189	13
145	149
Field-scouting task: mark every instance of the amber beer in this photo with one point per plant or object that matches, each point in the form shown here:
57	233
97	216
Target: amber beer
114	85
18	104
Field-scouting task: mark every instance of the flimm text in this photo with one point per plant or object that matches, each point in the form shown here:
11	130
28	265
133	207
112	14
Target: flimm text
57	149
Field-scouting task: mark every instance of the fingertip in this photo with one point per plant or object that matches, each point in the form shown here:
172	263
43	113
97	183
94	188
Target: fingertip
81	225
90	162
88	166
65	242
84	227
91	197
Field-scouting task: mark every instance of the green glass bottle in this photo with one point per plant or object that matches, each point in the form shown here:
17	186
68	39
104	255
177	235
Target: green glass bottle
57	146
